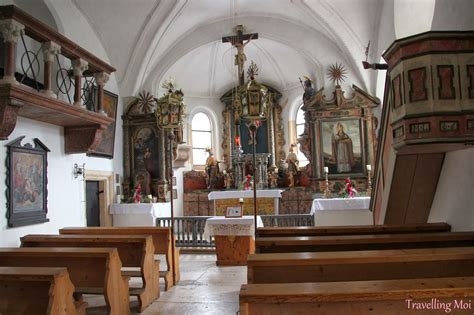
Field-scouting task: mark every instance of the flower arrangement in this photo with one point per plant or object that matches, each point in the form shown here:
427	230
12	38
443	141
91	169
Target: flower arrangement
247	184
137	195
349	190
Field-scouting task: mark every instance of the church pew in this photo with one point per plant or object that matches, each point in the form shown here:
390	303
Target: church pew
38	290
92	271
360	265
133	250
446	295
161	239
362	242
352	230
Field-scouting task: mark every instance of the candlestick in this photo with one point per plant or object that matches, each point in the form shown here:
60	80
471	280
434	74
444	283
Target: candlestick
327	192
369	182
241	200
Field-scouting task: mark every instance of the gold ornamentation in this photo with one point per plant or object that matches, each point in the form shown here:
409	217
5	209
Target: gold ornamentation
337	73
146	102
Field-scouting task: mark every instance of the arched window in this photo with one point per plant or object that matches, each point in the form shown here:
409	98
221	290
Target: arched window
201	137
299	130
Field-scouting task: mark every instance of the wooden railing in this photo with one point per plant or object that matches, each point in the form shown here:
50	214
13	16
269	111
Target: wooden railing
189	231
46	57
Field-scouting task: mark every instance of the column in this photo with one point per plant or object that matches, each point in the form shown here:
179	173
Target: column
370	136
11	32
101	78
272	135
50	50
161	181
78	66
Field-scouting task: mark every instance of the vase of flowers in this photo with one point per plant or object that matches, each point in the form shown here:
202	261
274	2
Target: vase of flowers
349	190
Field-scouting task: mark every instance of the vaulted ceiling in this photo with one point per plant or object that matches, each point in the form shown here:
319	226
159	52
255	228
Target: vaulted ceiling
148	40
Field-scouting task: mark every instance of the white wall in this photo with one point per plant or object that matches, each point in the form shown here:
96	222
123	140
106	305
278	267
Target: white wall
66	195
454	199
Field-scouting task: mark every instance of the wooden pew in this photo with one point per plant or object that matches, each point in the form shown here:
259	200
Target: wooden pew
362	242
161	239
133	250
92	270
447	295
37	290
352	230
360	265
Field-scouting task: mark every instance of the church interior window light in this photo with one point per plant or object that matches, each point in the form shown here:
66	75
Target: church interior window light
201	137
303	161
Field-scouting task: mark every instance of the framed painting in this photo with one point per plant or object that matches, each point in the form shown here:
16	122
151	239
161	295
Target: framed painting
27	183
342	147
105	148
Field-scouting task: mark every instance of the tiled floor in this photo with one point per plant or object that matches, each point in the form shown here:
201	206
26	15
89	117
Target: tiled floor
204	289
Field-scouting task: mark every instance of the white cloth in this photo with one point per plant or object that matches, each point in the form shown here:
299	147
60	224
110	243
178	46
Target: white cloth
232	194
155	209
356	203
231	226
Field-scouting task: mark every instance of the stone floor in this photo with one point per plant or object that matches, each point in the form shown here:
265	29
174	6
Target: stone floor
204	289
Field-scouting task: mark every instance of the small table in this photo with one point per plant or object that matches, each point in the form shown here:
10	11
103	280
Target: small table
234	238
267	200
138	214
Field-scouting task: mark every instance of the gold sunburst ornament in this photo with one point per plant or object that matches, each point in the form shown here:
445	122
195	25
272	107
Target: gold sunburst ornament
337	73
146	102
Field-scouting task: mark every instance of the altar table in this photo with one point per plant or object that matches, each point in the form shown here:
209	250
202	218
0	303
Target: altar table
138	214
234	238
267	200
342	211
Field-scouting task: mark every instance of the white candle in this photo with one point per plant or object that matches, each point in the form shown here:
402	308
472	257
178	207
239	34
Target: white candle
369	167
326	170
241	200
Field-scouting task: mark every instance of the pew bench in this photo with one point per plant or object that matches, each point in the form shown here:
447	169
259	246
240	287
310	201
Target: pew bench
133	250
362	242
352	230
359	297
38	290
161	239
360	265
90	269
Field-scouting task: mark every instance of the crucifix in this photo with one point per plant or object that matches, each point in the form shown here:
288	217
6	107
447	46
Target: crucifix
238	42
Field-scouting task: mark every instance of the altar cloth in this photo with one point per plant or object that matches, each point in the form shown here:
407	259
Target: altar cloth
230	194
356	203
243	226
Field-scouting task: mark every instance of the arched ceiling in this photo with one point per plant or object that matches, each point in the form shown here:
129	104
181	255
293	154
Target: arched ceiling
151	40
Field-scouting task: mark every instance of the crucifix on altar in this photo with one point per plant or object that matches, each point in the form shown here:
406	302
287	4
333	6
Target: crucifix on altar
238	42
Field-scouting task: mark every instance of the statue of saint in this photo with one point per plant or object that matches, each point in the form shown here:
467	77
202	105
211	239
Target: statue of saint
211	169
228	179
308	89
342	150
292	160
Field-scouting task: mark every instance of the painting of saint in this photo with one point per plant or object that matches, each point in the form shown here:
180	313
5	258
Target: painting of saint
28	181
342	146
342	150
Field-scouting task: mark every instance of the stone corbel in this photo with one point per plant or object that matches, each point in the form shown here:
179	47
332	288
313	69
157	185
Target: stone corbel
182	156
82	139
8	113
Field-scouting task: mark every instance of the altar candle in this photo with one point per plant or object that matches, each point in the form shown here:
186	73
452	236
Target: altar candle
326	170
369	167
241	200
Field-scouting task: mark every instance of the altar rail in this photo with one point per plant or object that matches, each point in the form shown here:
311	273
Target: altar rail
189	230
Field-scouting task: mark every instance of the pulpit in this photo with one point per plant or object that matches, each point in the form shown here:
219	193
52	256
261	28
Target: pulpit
234	238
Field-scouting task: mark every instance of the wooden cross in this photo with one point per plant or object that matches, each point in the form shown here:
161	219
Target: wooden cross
238	42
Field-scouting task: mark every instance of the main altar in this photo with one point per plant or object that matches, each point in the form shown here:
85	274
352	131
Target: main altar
267	201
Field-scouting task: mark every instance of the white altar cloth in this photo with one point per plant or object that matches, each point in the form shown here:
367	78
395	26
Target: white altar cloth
356	203
138	214
231	194
231	226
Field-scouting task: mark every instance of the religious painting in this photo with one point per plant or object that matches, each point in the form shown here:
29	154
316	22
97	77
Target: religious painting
26	183
145	157
341	146
106	146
